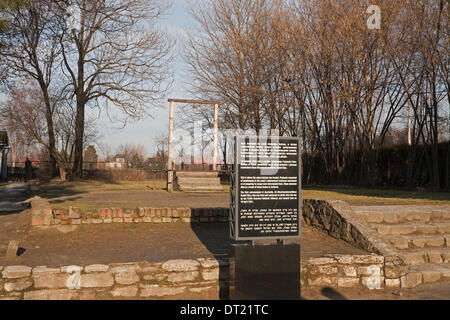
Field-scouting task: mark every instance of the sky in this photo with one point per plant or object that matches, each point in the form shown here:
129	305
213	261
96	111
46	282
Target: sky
144	131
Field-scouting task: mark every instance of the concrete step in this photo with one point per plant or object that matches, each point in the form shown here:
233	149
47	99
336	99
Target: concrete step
412	229
200	174
403	214
425	256
191	188
420	242
430	273
199	181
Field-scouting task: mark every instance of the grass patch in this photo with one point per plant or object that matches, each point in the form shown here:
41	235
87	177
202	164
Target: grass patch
89	195
361	196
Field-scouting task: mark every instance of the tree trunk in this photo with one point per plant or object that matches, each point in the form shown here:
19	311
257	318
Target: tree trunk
79	135
62	173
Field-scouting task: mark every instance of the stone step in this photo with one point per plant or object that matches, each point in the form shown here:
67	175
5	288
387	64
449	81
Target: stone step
418	242
412	229
424	256
426	274
200	174
199	181
403	214
192	188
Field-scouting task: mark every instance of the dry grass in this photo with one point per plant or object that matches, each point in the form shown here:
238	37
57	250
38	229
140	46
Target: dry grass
92	195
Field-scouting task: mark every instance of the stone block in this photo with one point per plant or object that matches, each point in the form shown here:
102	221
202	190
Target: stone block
107	220
155	277
186	220
181	265
211	274
446	257
390	218
315	270
373	282
96	268
392	283
208	263
126	277
447	241
127	219
200	289
419	243
322	281
18	285
130	291
414	258
74	213
87	295
374	217
349	271
176	213
426	229
320	261
13	272
147	219
156	220
182	276
431	276
368	259
434	257
411	280
160	291
51	280
75	221
141	212
400	243
384	230
394	272
344	259
402	229
436	243
117	220
443	228
44	270
348	282
11	252
96	280
166	220
369	270
150	268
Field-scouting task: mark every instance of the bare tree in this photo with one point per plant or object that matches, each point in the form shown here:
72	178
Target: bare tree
134	154
114	55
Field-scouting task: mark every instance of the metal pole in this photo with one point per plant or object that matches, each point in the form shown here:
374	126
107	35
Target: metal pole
169	151
216	111
409	123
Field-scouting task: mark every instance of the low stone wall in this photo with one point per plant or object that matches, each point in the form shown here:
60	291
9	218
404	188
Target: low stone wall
44	216
337	219
347	271
181	278
200	278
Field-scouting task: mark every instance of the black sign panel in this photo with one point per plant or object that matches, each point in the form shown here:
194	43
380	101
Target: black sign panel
266	189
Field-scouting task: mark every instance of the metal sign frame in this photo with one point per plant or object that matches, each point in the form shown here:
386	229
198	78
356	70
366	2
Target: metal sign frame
234	190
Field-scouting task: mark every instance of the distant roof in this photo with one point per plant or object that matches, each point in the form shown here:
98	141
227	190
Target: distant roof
3	138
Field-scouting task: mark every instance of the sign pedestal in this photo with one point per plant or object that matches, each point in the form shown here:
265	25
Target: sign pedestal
265	272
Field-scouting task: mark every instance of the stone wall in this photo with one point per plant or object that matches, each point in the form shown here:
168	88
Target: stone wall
43	215
337	219
183	278
200	278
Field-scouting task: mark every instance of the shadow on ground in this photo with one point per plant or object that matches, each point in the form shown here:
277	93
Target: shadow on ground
218	243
